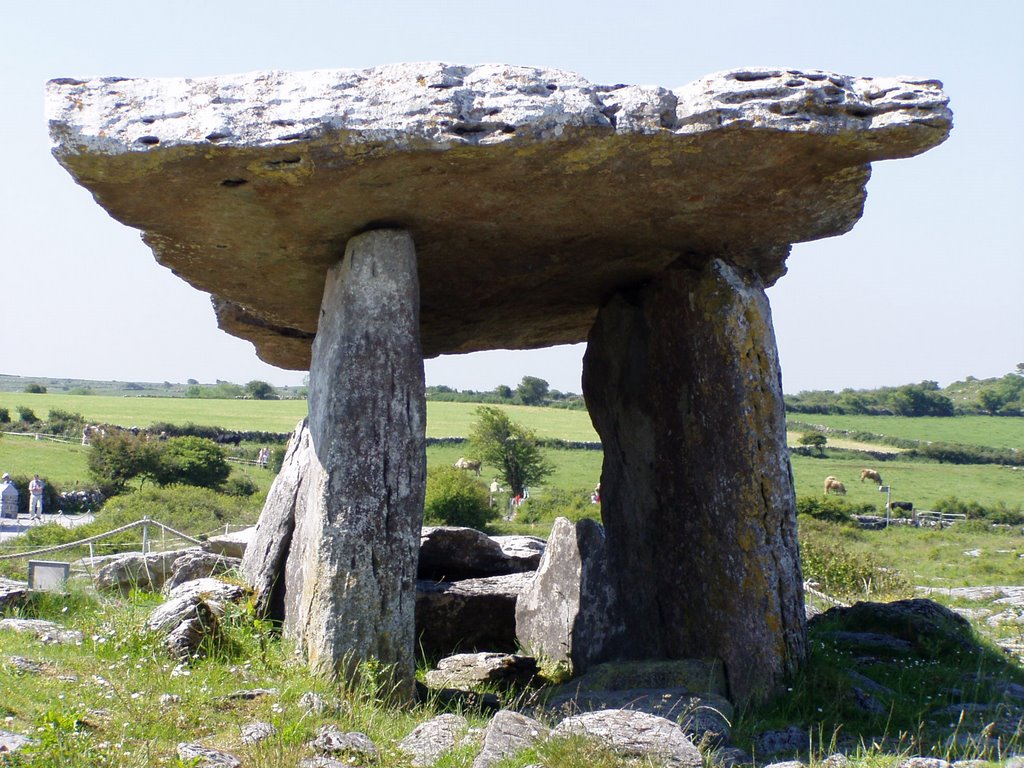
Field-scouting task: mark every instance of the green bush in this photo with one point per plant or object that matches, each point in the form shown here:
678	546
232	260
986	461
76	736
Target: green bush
5	416
240	485
187	508
842	573
118	457
191	461
832	508
1000	513
64	423
455	497
26	414
557	502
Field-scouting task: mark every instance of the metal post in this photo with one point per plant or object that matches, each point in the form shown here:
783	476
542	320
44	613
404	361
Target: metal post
145	534
92	556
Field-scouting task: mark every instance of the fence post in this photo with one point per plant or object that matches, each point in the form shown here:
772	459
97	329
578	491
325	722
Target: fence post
145	534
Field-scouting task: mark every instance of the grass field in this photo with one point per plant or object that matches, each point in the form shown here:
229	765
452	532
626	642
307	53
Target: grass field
921	482
992	431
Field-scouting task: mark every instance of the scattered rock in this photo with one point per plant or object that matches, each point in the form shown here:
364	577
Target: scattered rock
166	699
213	591
428	741
331	740
468	670
634	734
208	758
313	703
507	733
25	666
249	694
253	733
322	762
12	742
45	631
184	621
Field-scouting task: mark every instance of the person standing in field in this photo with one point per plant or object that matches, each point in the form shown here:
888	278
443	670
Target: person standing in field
35	499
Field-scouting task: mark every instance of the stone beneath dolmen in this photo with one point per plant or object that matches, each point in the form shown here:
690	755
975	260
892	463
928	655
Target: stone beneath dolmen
567	613
468	615
469	670
451	553
531	193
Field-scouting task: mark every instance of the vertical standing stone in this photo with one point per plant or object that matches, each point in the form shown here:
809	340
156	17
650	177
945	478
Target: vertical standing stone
682	382
351	573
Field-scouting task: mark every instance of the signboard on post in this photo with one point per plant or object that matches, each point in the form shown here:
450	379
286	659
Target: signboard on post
47	575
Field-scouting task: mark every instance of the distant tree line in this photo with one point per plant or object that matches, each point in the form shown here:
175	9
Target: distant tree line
996	397
530	391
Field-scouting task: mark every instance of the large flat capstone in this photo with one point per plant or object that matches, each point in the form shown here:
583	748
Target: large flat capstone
530	193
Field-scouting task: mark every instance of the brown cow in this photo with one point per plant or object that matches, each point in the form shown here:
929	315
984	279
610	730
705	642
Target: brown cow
870	474
832	485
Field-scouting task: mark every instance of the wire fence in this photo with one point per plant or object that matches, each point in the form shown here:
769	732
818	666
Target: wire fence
144	524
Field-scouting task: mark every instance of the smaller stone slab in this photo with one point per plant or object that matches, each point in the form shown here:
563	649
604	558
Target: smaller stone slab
231	544
207	757
331	740
469	670
468	615
12	742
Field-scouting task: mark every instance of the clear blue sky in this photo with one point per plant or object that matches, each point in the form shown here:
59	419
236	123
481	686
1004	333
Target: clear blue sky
929	285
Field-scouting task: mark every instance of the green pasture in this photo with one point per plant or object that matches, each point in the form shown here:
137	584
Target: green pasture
992	431
443	419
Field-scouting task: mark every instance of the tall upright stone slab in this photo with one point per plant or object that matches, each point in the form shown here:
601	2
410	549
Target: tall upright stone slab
351	573
683	384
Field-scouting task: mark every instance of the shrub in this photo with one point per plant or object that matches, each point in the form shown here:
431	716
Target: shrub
831	508
240	485
191	461
557	502
35	389
65	423
187	508
454	497
27	415
842	573
5	416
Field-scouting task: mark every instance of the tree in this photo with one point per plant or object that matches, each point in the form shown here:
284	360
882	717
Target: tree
814	440
511	447
260	390
118	457
532	391
504	391
35	389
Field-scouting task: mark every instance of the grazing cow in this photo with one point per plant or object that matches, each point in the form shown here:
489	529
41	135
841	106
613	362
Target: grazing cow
464	463
870	474
832	485
906	506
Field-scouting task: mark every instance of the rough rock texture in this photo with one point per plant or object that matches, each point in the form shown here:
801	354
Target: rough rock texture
567	612
45	631
350	579
468	615
264	560
683	385
429	740
199	565
138	571
206	757
12	593
531	193
508	732
634	734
